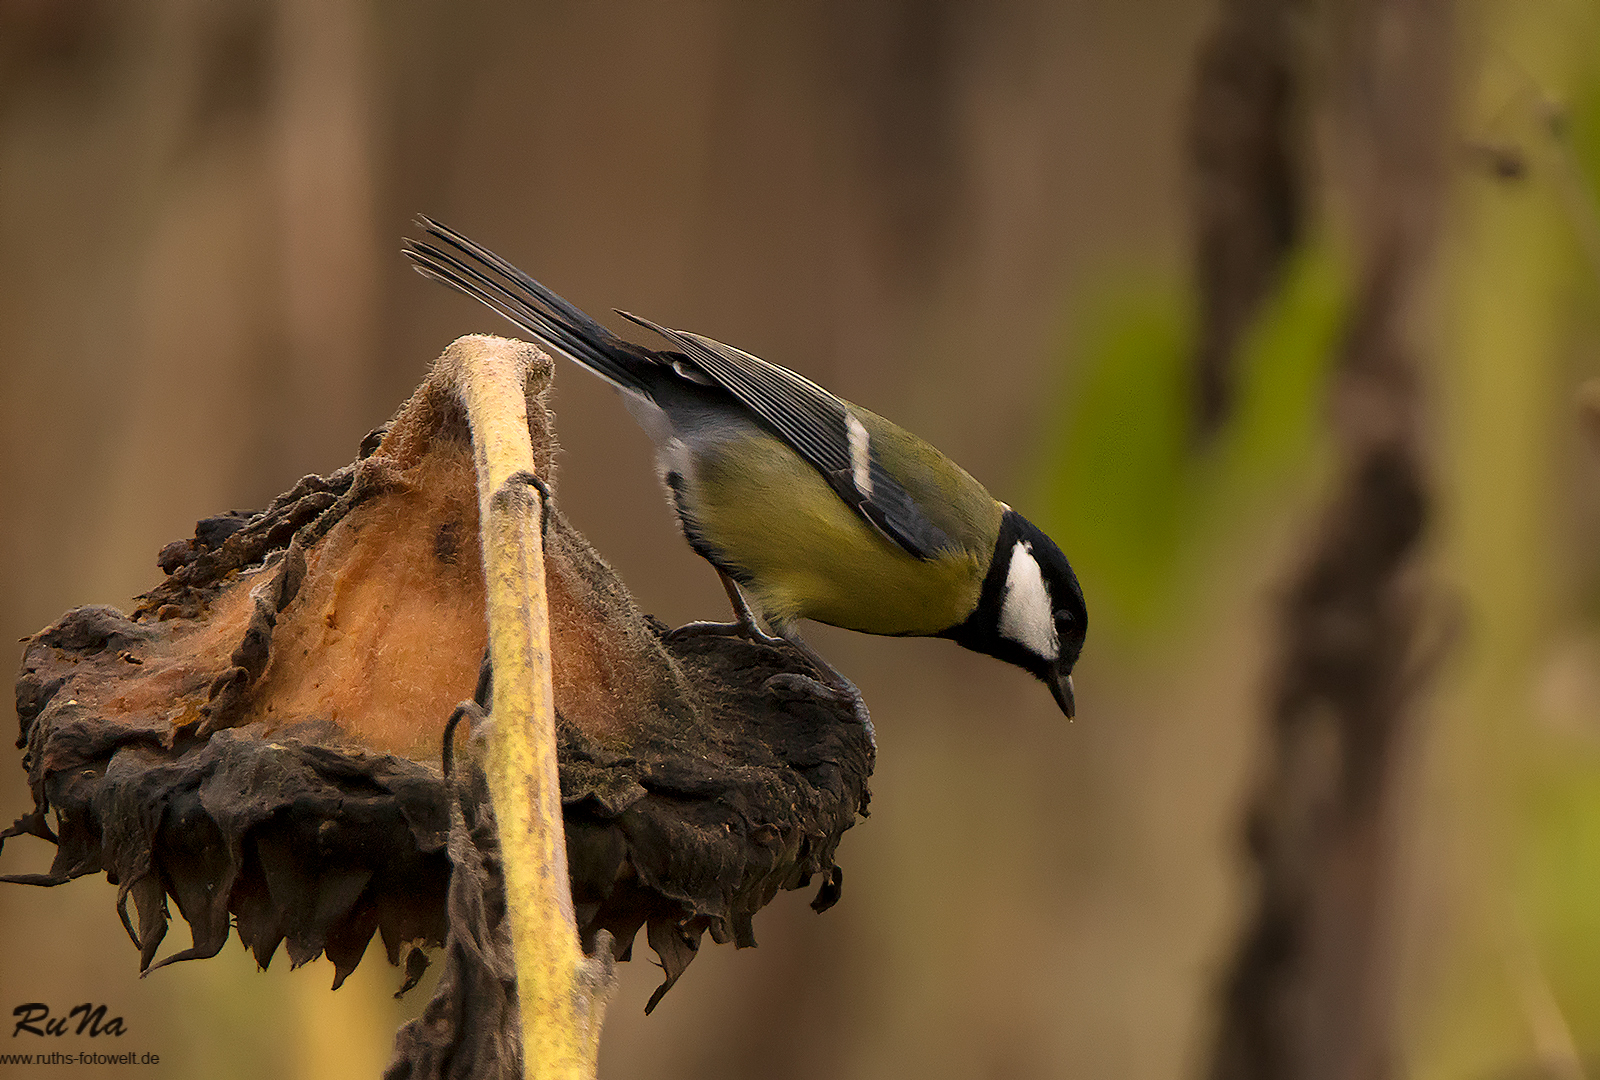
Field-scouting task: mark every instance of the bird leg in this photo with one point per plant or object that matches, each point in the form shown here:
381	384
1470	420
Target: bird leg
832	685
746	619
831	677
744	626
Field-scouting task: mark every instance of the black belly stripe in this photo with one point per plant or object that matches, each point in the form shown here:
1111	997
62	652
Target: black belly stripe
693	533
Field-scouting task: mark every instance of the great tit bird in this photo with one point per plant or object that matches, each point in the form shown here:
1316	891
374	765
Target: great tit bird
809	505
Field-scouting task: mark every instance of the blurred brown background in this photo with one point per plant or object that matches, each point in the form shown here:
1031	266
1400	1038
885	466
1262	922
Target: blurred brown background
930	208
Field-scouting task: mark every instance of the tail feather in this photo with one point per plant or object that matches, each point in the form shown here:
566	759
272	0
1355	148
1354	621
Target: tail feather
501	287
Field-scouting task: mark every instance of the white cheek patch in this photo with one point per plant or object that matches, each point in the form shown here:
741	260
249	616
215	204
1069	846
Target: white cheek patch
860	455
1025	613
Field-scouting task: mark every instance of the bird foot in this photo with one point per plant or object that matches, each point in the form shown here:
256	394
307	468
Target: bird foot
794	685
748	631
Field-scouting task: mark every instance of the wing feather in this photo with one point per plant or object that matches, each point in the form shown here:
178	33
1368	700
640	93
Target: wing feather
810	419
816	424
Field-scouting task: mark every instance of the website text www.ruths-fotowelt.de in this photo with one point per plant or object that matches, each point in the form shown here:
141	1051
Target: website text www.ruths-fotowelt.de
85	1057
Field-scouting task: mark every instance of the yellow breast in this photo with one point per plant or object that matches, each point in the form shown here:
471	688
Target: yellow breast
805	554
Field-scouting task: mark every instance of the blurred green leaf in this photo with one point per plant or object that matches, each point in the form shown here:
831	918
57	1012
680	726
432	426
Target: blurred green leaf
1115	492
1123	486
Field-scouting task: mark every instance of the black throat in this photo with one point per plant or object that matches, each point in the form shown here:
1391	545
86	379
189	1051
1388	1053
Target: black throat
981	630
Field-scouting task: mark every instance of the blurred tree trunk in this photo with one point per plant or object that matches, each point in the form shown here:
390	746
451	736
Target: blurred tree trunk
1245	182
1309	993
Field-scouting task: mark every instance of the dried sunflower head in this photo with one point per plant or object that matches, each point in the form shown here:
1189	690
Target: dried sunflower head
259	740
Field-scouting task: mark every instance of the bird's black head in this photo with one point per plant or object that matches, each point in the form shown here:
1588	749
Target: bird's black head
1031	611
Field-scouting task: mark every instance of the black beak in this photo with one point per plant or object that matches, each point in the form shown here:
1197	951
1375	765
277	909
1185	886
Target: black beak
1061	686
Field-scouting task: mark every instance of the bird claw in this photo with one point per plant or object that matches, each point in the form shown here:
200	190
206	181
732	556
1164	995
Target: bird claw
793	684
474	713
750	632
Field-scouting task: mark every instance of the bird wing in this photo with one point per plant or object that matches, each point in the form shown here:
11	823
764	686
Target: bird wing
822	429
